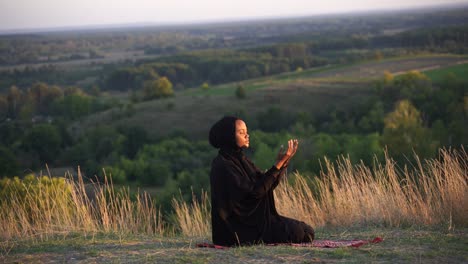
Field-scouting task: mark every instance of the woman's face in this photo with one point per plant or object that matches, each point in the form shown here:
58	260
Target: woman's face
242	137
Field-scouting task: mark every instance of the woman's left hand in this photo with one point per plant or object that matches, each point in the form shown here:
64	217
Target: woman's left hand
283	158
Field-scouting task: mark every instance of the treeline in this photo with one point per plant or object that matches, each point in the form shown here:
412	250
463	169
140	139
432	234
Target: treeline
52	75
214	66
42	100
34	123
440	39
221	66
99	43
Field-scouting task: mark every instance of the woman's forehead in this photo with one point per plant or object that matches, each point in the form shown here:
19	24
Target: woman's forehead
240	125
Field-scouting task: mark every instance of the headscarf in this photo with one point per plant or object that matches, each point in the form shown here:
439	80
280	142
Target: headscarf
223	136
223	133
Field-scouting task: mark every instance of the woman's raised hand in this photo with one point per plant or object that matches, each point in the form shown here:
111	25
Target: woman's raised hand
283	157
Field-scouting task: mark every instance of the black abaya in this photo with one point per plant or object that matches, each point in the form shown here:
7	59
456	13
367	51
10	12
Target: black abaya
243	207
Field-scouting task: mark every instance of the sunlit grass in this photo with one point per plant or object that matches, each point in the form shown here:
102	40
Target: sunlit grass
432	193
39	208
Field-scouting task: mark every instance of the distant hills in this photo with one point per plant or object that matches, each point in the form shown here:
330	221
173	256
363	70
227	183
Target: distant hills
184	24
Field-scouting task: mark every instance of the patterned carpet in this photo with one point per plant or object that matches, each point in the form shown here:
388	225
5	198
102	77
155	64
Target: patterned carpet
316	243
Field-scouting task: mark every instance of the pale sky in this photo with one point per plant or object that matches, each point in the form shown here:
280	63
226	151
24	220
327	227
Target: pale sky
27	14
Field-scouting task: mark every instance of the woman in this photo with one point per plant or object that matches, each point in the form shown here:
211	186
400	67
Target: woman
242	205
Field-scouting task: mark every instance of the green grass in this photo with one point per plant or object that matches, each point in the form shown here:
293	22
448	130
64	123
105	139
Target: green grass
411	245
438	75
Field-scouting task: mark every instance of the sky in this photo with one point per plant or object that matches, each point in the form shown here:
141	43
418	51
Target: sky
38	14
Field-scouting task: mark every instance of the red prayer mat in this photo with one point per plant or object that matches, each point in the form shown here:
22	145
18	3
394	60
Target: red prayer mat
316	243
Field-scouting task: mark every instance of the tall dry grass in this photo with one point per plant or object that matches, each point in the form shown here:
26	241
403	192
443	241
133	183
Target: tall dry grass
46	207
434	192
193	219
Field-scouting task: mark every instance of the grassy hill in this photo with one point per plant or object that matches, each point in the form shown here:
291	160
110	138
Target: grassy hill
310	91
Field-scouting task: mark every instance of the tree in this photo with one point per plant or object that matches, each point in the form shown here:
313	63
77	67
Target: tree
116	174
155	164
274	119
205	86
74	106
149	90
264	155
404	132
388	77
164	87
135	138
251	71
3	108
158	89
73	90
378	55
373	120
14	98
240	92
8	163
413	85
405	116
122	79
37	94
323	145
45	140
41	96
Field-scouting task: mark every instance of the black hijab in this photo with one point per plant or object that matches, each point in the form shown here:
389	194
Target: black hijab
223	134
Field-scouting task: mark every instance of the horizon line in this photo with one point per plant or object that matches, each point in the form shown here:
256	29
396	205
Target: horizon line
142	24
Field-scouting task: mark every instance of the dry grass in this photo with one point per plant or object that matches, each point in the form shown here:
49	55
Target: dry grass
45	207
432	193
193	219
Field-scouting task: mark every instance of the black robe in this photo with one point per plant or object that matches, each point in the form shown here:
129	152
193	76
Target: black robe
242	204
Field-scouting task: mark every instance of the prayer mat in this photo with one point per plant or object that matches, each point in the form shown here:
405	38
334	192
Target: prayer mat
316	243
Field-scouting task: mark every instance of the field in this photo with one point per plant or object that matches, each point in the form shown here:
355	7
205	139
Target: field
314	91
399	246
363	72
459	70
421	218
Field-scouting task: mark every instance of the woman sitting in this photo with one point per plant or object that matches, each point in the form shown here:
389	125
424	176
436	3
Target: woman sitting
242	203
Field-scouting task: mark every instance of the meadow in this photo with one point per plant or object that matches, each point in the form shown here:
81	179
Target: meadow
419	211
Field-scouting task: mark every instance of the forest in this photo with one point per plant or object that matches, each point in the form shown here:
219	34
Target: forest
53	85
